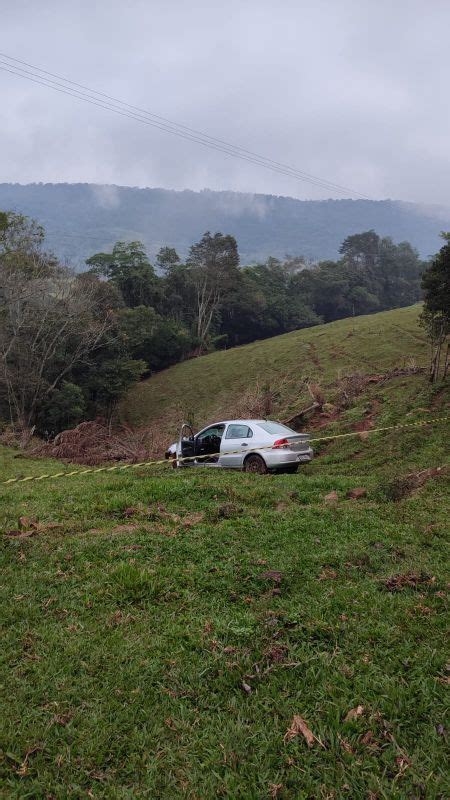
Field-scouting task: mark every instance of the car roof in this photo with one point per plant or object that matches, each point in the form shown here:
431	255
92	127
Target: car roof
237	422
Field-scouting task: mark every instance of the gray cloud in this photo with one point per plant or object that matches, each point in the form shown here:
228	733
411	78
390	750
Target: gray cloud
107	196
354	91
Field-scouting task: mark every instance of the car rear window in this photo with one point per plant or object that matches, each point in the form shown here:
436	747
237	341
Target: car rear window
275	427
238	432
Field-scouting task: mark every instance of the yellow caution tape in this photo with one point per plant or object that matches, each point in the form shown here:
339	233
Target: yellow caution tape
119	467
377	430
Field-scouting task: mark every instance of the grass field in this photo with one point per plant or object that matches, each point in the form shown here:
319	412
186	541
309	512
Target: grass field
162	628
208	388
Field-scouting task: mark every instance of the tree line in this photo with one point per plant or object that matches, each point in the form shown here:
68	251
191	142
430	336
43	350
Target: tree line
71	344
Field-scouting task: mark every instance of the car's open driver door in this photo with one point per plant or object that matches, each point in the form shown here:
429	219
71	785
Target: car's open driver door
186	446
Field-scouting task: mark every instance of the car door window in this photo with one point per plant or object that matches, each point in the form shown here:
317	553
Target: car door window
216	430
208	441
238	432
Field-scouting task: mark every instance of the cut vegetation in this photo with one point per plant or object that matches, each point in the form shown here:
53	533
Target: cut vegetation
198	635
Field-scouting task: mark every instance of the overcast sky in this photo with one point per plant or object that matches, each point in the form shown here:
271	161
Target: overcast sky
354	91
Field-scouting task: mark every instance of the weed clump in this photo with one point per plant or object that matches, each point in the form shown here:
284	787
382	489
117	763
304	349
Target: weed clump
225	511
398	488
410	580
129	584
404	485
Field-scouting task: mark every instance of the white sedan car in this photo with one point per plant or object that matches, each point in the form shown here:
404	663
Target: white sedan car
253	445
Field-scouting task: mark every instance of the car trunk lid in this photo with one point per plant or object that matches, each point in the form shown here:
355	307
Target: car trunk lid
298	442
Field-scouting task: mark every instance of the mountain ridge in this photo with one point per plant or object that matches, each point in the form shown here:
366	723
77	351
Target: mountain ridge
83	218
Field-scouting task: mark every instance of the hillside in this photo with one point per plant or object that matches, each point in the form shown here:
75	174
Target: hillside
170	634
222	383
82	219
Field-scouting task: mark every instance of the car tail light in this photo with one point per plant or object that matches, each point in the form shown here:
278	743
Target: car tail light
280	443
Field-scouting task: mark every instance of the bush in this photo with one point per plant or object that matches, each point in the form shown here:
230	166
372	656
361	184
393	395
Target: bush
64	408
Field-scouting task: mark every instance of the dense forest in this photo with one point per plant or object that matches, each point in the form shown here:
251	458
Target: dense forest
71	344
81	219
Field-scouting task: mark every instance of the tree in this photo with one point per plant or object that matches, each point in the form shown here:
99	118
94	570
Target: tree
49	320
178	299
129	269
151	338
213	267
399	274
64	408
361	249
361	255
329	289
436	313
108	380
167	259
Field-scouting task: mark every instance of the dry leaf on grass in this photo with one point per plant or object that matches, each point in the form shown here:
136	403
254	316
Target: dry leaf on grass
410	580
29	528
327	574
271	575
274	788
403	762
23	769
354	713
299	726
193	519
332	497
25	523
366	738
345	744
275	654
124	528
21	534
119	618
117	529
62	719
131	511
356	493
161	511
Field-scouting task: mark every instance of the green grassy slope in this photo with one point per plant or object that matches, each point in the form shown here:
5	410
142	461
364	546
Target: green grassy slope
145	653
209	386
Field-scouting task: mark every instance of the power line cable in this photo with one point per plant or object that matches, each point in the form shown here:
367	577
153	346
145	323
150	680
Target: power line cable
177	125
118	110
110	103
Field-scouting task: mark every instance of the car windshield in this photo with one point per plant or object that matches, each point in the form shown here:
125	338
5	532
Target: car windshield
275	427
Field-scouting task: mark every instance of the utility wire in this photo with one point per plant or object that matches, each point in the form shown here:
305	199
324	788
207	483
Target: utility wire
177	125
110	103
119	110
109	107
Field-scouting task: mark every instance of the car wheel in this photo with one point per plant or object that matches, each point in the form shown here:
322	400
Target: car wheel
256	464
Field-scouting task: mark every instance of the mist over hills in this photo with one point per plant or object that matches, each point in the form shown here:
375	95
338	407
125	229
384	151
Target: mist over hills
83	218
